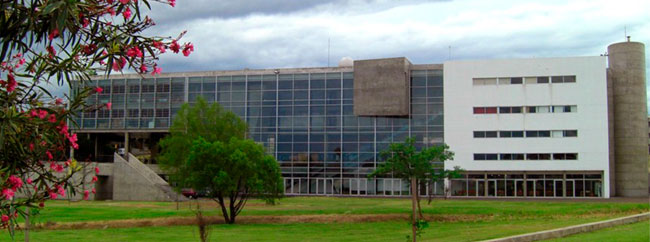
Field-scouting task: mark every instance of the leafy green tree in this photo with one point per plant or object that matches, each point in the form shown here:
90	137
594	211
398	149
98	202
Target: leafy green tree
233	171
209	121
206	150
403	160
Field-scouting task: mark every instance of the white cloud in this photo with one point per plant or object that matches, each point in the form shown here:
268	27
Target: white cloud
297	36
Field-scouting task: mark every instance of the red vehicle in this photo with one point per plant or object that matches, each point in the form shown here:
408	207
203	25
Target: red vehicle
188	192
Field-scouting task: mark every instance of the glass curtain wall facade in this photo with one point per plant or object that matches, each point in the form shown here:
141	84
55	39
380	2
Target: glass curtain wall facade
305	120
533	184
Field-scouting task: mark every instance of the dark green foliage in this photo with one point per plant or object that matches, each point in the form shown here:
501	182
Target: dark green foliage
206	150
209	121
405	162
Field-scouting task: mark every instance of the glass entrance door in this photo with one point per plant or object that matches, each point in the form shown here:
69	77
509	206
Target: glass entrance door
480	187
558	188
492	188
519	188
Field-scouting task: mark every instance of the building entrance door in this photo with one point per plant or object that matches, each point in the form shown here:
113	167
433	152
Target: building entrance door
492	188
569	188
480	187
325	186
558	188
329	186
519	188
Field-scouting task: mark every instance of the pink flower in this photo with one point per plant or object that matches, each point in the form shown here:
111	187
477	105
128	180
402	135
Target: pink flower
5	218
99	89
109	105
56	167
189	47
53	34
124	1
67	163
134	52
53	195
84	21
41	204
29	181
156	70
126	13
72	138
93	191
49	155
111	11
94	180
172	3
96	170
143	68
58	101
86	193
33	113
60	190
11	83
174	46
51	50
160	46
52	118
42	113
31	146
15	182
8	193
119	64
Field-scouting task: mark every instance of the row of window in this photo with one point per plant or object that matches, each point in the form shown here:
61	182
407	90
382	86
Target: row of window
526	133
529	156
527	109
523	80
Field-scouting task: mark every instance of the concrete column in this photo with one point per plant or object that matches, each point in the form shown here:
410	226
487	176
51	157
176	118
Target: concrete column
525	185
627	74
485	185
126	145
564	184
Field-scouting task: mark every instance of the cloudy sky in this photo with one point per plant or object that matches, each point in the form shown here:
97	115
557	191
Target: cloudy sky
294	33
239	34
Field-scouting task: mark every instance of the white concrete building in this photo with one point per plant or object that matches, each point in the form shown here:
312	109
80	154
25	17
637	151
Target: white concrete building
541	117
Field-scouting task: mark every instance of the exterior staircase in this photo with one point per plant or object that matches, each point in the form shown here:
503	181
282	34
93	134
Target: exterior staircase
135	181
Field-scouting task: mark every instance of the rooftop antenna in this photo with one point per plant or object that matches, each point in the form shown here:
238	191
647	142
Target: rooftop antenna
328	52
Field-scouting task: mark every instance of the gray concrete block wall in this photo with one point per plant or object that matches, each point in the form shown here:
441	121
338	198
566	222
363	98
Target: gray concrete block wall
382	87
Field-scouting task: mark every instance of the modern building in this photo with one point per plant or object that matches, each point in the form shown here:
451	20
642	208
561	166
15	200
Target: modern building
541	127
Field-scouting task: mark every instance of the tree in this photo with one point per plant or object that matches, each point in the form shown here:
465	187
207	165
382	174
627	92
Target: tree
403	160
60	41
235	170
207	150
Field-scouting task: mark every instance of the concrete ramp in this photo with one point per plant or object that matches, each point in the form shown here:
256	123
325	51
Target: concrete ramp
135	181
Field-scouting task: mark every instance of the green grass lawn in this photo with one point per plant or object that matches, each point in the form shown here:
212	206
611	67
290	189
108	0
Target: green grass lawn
62	211
630	232
372	231
504	218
